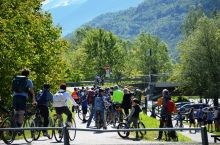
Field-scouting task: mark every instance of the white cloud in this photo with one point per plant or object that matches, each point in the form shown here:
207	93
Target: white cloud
49	4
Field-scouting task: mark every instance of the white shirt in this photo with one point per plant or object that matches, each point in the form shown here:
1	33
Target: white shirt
67	96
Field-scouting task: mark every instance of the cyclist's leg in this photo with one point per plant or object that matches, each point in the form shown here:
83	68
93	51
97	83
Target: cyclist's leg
44	112
19	104
68	114
104	119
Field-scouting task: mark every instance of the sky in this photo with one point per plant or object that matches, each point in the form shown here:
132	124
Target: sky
71	14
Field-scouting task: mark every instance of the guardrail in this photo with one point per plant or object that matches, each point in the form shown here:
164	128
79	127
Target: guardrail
203	130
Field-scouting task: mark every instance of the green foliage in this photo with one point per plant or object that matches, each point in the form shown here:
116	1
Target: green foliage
162	18
200	59
151	55
29	40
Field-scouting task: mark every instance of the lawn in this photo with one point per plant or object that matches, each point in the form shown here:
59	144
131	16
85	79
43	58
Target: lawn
150	122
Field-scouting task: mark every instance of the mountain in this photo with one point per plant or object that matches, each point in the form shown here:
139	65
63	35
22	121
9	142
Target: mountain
162	18
71	14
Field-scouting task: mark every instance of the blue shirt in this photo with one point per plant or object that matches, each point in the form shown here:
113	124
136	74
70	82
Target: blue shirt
25	94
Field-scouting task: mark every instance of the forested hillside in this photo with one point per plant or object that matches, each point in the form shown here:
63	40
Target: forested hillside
162	18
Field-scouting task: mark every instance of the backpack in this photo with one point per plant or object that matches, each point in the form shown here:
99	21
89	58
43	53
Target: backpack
59	100
19	84
41	98
170	107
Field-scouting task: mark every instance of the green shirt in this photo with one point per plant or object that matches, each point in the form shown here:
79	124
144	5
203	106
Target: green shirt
117	96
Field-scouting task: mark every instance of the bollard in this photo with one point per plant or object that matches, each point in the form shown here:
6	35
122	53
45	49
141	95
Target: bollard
66	136
204	136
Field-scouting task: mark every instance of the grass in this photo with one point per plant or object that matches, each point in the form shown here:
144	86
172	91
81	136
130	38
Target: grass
150	122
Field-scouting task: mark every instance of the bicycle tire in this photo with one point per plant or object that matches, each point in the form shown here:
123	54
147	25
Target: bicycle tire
72	133
36	133
8	136
50	132
80	114
141	125
26	133
58	133
123	134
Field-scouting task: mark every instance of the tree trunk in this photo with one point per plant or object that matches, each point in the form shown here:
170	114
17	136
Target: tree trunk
215	100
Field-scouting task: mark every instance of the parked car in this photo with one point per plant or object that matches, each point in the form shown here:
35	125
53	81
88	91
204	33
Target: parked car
185	108
180	104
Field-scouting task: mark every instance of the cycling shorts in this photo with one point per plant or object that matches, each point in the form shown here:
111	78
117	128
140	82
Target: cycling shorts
19	102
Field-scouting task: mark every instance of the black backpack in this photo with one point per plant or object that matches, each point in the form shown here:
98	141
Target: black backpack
19	84
41	98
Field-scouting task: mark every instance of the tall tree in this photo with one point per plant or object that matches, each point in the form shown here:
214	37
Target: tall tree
200	59
151	55
29	40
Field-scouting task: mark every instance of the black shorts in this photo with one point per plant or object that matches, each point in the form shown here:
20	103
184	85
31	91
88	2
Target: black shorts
199	119
192	121
19	103
209	121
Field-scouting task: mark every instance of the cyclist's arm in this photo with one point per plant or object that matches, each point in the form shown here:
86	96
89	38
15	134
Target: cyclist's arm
132	112
72	100
31	90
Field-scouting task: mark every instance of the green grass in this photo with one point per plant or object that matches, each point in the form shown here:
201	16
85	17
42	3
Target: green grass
150	122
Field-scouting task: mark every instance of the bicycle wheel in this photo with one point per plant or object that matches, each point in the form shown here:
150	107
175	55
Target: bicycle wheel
141	125
28	134
72	133
58	133
50	132
123	134
8	136
36	133
80	114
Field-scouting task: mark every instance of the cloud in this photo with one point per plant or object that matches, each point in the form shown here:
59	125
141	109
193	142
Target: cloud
50	4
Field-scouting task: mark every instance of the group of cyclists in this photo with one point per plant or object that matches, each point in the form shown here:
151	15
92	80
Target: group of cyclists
106	101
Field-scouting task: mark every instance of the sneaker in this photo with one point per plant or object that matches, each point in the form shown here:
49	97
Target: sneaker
46	134
157	138
68	124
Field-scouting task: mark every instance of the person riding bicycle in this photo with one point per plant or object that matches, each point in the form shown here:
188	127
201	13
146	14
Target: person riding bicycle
44	99
133	117
117	99
60	103
21	87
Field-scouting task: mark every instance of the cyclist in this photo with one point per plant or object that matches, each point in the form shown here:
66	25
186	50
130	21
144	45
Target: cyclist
117	99
21	87
60	103
75	97
134	114
44	99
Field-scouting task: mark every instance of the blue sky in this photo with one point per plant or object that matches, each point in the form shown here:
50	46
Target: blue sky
71	14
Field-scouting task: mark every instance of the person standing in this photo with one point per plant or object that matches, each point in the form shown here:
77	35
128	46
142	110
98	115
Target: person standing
168	107
21	87
126	103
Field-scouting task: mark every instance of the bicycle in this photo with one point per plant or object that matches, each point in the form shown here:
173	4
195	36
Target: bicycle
58	134
38	120
8	136
118	114
125	125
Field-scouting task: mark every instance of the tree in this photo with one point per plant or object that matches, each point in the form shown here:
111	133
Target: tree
200	59
29	40
103	48
151	55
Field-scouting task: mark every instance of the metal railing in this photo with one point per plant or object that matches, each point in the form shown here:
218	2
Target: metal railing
203	130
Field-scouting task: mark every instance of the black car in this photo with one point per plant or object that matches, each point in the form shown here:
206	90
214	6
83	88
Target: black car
186	108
